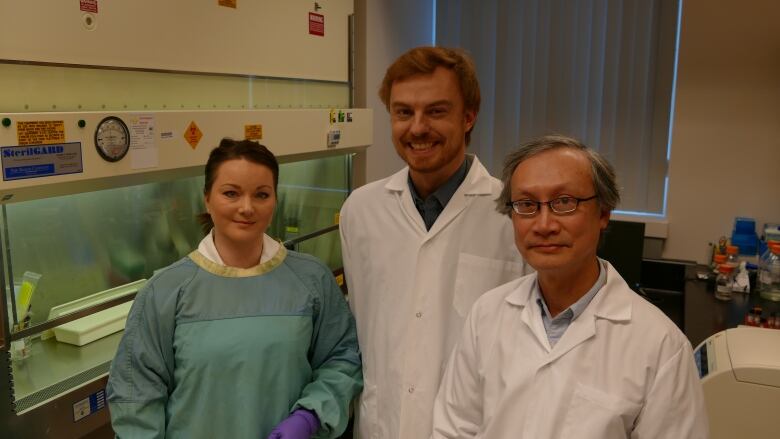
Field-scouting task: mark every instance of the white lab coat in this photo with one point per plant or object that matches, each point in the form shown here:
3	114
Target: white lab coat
621	370
411	289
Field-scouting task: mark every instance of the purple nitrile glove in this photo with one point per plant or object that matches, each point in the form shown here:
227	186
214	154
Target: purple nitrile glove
301	424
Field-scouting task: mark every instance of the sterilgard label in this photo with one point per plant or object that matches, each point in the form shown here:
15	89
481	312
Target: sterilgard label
33	161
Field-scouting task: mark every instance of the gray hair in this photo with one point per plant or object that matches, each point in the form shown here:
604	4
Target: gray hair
602	172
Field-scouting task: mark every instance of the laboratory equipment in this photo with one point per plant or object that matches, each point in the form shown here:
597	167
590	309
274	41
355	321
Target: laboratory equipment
752	318
772	232
740	376
744	236
724	281
110	225
732	256
622	245
103	142
112	138
717	260
769	274
24	298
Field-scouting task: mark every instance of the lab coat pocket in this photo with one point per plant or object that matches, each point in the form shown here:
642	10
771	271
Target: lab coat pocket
595	414
477	274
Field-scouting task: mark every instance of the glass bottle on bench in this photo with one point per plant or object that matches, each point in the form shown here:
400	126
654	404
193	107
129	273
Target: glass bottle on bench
723	282
769	275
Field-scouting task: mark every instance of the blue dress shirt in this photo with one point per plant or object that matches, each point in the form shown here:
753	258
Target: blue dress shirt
431	207
556	326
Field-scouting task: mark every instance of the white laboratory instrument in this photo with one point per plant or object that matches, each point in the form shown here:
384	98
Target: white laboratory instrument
740	376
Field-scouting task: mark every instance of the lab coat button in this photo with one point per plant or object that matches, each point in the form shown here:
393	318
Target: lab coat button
419	314
411	389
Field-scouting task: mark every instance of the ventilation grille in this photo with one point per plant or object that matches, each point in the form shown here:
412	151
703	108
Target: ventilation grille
60	388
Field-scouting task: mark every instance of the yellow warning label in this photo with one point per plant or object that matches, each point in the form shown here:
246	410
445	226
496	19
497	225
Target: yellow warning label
193	135
40	132
253	132
340	280
228	3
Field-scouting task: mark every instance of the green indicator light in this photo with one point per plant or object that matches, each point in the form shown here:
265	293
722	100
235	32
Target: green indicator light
82	123
6	122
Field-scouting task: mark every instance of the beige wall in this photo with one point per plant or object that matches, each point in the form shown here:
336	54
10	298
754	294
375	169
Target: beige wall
391	28
725	156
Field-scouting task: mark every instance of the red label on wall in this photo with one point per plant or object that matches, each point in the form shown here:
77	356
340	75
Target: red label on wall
88	6
316	24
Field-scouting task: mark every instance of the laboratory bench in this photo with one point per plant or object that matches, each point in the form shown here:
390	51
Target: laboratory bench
704	315
674	286
53	367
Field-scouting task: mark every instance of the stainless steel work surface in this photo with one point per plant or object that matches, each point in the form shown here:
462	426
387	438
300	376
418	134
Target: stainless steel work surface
53	368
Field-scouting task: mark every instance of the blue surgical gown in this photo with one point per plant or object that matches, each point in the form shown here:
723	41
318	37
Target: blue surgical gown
218	352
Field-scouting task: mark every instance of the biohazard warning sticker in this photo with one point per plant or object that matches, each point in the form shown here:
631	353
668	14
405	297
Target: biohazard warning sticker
88	6
193	135
253	132
316	24
40	132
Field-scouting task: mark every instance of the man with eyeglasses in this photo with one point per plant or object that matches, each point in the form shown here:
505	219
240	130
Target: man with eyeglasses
570	351
421	245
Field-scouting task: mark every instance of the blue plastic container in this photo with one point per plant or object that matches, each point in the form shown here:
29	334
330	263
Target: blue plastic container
744	236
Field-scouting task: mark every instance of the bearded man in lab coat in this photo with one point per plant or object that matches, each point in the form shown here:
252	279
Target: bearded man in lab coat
421	245
569	351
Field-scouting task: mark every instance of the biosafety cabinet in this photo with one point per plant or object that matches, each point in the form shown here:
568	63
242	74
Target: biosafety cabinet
108	111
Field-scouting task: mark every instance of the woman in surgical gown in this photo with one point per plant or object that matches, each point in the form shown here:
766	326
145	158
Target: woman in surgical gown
241	338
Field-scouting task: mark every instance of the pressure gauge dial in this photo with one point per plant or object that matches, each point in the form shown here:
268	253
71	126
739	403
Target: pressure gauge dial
112	139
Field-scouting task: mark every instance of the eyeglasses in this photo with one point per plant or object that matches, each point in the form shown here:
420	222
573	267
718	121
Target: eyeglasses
560	205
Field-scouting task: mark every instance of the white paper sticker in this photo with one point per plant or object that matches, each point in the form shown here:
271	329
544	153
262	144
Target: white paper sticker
81	409
143	150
